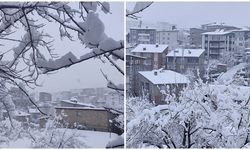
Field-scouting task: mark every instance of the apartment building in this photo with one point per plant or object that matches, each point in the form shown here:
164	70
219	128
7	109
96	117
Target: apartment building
142	35
169	37
215	26
217	44
247	60
155	55
196	37
196	33
134	64
183	60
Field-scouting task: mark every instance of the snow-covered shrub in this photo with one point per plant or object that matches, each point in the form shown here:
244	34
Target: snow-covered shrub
210	116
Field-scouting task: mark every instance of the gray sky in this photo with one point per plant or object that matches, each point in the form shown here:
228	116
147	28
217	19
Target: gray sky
193	14
86	74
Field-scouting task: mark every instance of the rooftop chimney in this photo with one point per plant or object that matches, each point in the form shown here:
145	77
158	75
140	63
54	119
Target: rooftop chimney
155	73
156	45
144	48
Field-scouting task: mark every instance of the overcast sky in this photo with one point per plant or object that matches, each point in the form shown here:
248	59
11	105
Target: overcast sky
193	14
86	74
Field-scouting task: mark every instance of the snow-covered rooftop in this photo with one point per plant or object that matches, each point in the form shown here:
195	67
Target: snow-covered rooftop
164	77
82	108
78	103
150	48
217	32
216	24
186	52
241	30
136	56
143	28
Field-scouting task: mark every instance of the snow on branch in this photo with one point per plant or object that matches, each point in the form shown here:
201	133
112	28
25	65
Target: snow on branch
111	85
29	60
70	59
139	7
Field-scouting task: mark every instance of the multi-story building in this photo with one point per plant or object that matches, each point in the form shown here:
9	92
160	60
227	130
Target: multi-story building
218	44
184	38
215	26
142	35
228	45
155	55
247	61
239	45
183	60
196	33
169	37
134	64
159	84
196	37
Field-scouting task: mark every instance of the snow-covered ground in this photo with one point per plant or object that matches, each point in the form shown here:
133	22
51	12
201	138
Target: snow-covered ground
91	139
97	139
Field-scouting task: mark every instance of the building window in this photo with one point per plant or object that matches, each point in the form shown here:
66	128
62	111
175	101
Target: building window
170	59
192	60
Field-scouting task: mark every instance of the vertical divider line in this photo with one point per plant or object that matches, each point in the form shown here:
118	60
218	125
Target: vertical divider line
125	73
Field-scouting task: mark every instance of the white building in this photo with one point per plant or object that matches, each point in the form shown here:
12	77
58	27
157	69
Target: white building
169	37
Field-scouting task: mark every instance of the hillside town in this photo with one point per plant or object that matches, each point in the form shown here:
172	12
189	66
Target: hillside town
161	54
187	88
89	109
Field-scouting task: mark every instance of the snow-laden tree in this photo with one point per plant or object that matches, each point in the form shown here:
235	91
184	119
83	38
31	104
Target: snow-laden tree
22	25
49	137
206	116
27	51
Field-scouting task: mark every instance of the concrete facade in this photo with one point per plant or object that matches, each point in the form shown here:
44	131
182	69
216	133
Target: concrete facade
154	89
185	62
196	37
142	35
217	44
169	37
92	119
134	64
154	54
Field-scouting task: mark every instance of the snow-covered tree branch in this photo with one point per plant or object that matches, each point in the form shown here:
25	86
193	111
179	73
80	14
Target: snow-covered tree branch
22	25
